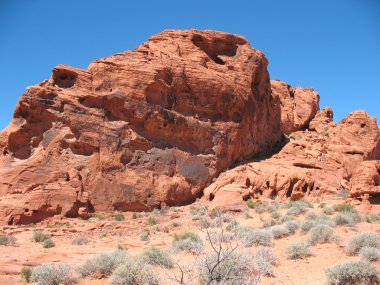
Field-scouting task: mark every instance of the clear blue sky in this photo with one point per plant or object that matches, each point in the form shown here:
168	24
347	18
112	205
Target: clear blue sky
331	45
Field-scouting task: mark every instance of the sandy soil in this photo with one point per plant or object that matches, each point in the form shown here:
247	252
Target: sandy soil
106	234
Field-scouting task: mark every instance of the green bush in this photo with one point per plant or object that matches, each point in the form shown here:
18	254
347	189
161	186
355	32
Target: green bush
152	221
26	274
250	203
156	256
298	250
321	234
48	243
119	217
357	242
353	273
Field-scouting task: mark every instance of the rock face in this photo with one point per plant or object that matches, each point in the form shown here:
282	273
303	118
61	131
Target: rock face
155	126
316	162
139	129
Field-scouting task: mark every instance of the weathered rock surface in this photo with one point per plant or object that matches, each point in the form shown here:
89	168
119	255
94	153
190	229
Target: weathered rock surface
139	129
315	162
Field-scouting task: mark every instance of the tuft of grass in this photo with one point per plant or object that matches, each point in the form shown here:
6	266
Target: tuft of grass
345	208
80	241
321	234
26	274
298	250
152	221
119	217
7	240
48	243
343	193
280	231
39	236
145	235
250	203
156	256
357	242
353	273
186	235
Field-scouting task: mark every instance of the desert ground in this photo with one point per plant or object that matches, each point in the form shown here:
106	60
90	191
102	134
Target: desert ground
127	233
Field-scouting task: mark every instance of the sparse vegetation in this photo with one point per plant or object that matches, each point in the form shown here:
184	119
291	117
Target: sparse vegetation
119	217
250	203
345	208
103	264
80	241
145	235
357	242
251	236
26	274
292	226
7	240
321	234
39	236
53	274
152	221
48	243
187	241
280	231
134	272
298	250
353	273
346	218
156	256
265	259
369	253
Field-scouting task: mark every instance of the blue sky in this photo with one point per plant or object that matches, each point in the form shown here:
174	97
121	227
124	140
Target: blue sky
333	46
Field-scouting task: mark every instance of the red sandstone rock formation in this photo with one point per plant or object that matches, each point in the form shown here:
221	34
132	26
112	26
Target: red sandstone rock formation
155	126
316	162
137	130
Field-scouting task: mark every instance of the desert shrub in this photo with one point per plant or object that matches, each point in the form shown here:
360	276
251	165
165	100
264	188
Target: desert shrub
26	274
345	208
265	259
250	236
280	232
353	273
307	225
287	218
53	274
48	243
250	203
357	242
275	215
311	216
292	226
299	204
321	234
295	211
152	221
80	241
119	217
156	256
188	245
271	207
328	210
7	240
346	218
198	211
232	225
134	272
298	250
230	268
369	253
186	235
103	264
270	223
145	235
372	218
205	223
343	193
39	236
